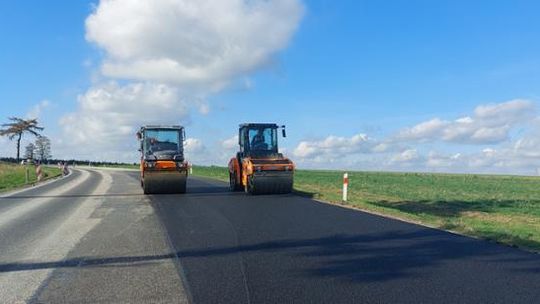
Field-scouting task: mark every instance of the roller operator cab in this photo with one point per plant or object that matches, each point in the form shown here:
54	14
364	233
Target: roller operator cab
163	167
258	167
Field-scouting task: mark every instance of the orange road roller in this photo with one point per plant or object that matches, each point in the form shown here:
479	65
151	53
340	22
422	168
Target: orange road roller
163	167
258	167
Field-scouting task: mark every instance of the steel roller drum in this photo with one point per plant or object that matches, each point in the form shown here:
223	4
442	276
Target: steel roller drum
269	182
157	182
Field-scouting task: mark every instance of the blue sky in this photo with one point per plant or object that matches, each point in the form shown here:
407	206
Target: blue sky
330	71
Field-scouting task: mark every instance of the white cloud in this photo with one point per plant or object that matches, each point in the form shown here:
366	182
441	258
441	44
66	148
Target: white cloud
193	146
305	149
341	152
112	110
36	110
178	52
406	156
198	153
424	131
383	147
490	124
204	108
437	160
109	115
333	146
426	146
507	112
230	143
488	160
523	153
528	147
191	42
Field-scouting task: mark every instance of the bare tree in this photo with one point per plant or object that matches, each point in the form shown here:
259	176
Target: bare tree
43	148
17	128
29	151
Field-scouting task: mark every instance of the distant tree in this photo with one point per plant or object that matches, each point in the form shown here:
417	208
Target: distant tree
17	128
43	148
29	151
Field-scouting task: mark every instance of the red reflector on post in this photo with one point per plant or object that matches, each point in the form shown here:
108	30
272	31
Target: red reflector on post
345	186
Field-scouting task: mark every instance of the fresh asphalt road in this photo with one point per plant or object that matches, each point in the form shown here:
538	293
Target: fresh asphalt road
93	237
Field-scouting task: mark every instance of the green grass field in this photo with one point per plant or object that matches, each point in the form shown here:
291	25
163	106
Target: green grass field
505	209
14	176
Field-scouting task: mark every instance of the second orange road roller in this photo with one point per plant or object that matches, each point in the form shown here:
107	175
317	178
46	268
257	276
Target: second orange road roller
259	168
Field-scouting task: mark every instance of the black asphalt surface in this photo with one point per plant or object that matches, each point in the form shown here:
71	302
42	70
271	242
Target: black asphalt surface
235	248
93	237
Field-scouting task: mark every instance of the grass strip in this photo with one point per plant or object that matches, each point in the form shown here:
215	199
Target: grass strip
13	176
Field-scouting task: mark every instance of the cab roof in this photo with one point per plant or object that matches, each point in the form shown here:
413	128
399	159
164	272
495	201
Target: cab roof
172	127
265	125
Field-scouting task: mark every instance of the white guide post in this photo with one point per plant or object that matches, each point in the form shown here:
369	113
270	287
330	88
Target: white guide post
345	186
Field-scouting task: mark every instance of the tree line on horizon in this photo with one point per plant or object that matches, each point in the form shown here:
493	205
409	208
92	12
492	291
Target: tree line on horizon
41	148
77	162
